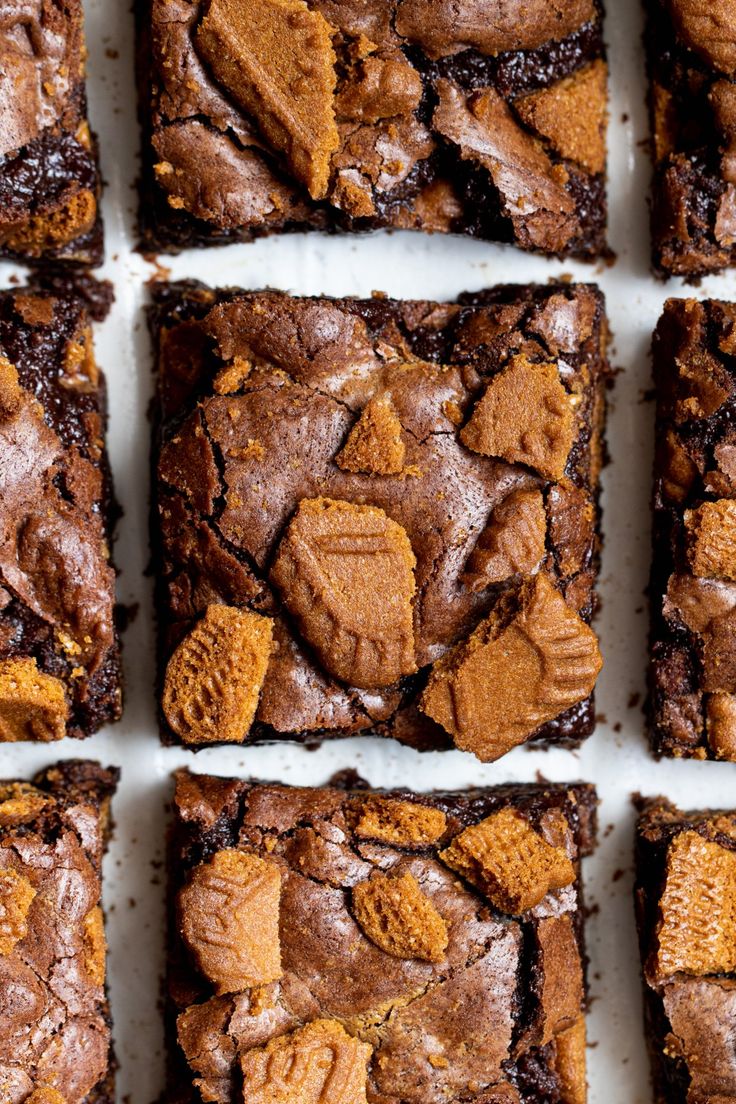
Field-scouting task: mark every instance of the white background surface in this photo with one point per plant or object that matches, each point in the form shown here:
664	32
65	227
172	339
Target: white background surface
409	265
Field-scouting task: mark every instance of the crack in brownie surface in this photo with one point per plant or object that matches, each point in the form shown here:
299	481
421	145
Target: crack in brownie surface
402	496
59	648
55	1029
286	115
49	179
347	946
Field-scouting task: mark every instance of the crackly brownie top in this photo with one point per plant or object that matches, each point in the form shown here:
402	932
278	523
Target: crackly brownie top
48	176
393	112
58	649
694	618
355	947
687	909
370	511
54	1023
692	60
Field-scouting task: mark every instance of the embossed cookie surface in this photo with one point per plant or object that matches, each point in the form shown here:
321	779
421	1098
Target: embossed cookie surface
230	920
396	916
318	1064
214	678
346	573
33	705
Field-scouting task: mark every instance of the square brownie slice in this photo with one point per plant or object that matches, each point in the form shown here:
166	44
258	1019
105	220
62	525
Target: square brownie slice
364	947
692	674
691	56
55	1028
685	898
49	178
378	516
282	115
59	648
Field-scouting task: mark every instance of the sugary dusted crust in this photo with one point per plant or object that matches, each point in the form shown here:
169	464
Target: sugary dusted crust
402	494
414	985
49	176
691	57
685	898
692	672
59	649
347	117
53	834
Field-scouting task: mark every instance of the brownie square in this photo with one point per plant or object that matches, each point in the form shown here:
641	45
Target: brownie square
378	516
685	899
59	648
691	56
55	1028
354	946
692	674
49	178
346	115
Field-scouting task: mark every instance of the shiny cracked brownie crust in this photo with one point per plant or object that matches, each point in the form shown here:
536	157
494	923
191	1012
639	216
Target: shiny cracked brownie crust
55	1029
369	513
49	179
350	946
281	115
59	649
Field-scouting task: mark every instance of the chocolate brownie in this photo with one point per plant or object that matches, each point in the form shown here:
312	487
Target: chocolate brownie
685	905
49	179
693	585
55	1030
59	650
351	946
378	515
349	115
691	52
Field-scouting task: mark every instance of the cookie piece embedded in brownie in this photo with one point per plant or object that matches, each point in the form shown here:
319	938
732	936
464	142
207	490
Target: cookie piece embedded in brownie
55	1028
49	177
692	673
691	56
410	948
59	650
282	115
685	897
378	516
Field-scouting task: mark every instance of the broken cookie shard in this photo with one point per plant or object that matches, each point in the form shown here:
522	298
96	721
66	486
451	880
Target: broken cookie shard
374	445
519	668
318	1064
400	919
33	705
346	574
275	58
513	542
214	678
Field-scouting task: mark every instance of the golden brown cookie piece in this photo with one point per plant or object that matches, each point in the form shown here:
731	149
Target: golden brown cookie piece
213	680
400	919
229	914
571	115
346	574
275	58
712	539
401	823
561	996
696	931
529	661
16	895
509	861
45	1094
720	725
709	28
570	1063
374	445
513	542
95	945
10	389
525	417
33	705
20	802
318	1064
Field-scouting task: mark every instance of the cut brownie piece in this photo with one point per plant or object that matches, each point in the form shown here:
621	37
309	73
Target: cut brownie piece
49	179
378	515
686	904
55	1031
691	52
352	946
692	672
59	650
281	115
